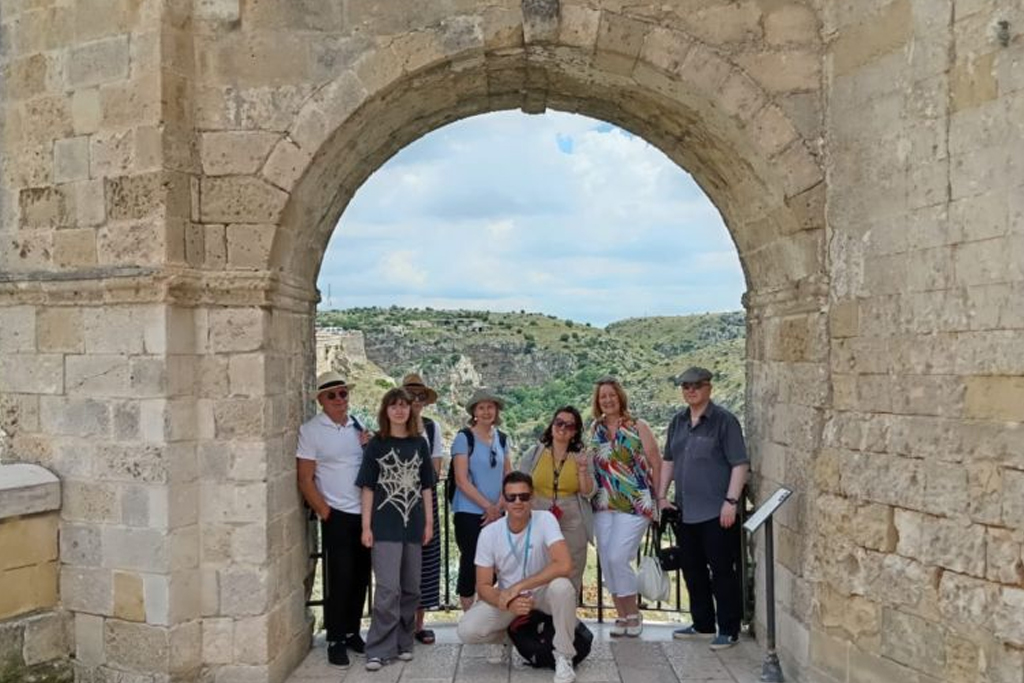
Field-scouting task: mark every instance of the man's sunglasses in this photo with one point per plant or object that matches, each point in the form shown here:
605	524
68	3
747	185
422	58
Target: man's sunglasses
521	497
418	396
564	424
689	386
340	393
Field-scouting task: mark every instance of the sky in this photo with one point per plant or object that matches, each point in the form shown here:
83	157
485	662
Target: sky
558	214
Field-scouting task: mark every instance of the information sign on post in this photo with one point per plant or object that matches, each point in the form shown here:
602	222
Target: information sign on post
771	669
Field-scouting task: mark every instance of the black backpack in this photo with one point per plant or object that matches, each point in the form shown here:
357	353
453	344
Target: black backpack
534	638
471	442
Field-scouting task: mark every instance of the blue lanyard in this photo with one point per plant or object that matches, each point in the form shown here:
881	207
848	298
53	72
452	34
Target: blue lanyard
526	547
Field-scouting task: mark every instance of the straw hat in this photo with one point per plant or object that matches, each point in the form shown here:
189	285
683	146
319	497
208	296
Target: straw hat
329	380
415	382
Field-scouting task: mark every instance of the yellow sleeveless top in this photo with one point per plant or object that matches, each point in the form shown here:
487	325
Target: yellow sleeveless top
544	476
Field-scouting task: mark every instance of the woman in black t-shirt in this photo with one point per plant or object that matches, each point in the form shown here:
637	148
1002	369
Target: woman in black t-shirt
396	478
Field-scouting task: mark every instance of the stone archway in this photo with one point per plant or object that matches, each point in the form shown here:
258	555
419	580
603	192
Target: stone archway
171	175
690	99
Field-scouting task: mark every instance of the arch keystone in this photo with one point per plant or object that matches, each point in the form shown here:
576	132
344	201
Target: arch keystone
541	20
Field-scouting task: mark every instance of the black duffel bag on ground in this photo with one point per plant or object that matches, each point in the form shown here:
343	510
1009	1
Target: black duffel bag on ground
534	635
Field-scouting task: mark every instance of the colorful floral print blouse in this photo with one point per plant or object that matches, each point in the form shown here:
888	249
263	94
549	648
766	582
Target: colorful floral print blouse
623	475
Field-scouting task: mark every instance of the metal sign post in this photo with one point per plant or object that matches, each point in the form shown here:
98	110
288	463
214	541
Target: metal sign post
771	669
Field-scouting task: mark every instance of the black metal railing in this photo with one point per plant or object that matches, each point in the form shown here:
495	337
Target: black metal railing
651	542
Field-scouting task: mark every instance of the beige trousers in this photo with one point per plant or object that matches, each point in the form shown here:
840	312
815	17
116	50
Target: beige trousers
485	623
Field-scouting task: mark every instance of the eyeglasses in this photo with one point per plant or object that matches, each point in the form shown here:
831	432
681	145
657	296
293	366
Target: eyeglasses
564	424
690	386
418	396
340	393
521	497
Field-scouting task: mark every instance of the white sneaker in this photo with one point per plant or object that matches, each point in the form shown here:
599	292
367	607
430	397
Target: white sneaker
563	669
500	657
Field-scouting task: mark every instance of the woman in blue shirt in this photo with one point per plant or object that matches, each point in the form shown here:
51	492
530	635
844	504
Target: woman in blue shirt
478	476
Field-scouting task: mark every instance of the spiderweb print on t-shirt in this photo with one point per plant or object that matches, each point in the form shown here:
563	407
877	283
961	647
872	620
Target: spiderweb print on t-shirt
400	481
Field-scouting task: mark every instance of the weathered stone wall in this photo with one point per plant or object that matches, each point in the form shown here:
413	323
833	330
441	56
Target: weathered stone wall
172	171
34	632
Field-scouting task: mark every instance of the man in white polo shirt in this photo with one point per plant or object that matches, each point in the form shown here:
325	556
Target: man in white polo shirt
330	452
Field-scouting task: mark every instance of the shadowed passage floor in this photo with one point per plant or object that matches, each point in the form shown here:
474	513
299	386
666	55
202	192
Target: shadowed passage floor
653	658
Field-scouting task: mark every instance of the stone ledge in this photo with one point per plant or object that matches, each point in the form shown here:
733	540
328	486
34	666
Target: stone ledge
27	489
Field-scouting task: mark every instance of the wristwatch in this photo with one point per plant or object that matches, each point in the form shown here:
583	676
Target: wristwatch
731	501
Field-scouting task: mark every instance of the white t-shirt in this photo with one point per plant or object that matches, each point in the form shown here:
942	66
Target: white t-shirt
494	549
338	455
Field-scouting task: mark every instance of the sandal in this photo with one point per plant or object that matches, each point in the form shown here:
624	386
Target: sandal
634	625
425	636
619	629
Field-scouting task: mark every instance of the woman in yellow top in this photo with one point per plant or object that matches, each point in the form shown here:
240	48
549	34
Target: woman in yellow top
563	482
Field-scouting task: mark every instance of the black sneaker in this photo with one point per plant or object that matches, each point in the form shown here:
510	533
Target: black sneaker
337	656
355	643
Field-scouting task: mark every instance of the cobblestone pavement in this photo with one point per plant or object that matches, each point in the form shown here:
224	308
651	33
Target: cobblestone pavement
653	658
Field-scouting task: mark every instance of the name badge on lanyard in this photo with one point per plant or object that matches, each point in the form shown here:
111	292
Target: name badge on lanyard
526	545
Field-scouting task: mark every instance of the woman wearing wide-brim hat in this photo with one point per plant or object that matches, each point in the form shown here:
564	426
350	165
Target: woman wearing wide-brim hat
430	575
478	474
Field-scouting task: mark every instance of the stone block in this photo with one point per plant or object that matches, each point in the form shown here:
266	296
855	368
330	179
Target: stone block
1004	561
75	248
235	152
32	373
136	646
145	550
251	645
74	416
46	207
248	245
129	603
98	62
233	503
1008	619
973	81
71	159
80	545
1013	497
286	164
619	39
791	24
28	589
237	329
111	153
772	130
136	197
27	77
46	118
240	199
47	638
87	589
87	501
89	202
912	641
784	71
243	591
875	37
966	601
96	375
88	631
995	398
830	655
218	640
17	329
86	110
28	541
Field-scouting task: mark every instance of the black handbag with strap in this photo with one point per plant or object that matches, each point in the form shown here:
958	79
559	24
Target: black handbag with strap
534	638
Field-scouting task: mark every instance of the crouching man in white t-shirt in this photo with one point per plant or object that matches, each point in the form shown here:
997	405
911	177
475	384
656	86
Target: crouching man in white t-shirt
528	556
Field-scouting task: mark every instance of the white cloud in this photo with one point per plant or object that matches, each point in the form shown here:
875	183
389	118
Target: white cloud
557	213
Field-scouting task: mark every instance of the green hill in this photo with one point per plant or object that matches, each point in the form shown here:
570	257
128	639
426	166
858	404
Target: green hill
539	362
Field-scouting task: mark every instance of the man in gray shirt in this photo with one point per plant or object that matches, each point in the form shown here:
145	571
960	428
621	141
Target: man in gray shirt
707	459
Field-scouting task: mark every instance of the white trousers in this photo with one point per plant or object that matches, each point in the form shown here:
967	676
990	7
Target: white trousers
618	538
485	623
